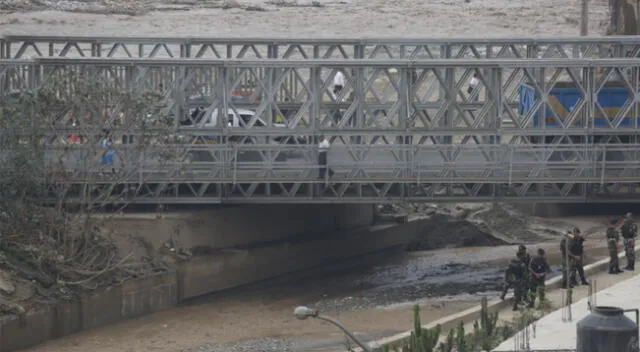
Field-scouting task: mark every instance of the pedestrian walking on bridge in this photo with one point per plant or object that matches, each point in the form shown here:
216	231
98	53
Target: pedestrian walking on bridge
323	151
613	243
629	231
107	153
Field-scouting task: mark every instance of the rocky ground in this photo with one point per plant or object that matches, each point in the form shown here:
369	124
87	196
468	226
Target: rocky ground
477	224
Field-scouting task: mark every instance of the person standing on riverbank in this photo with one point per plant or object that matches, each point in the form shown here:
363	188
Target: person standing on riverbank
521	255
576	258
515	276
526	260
613	243
539	268
566	242
629	231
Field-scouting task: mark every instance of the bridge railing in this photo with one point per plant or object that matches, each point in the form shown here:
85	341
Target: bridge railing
417	164
20	46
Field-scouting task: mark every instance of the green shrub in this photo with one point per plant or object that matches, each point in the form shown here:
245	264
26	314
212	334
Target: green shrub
488	332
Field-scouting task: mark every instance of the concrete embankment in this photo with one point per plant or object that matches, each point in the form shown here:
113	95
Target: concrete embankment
239	251
555	332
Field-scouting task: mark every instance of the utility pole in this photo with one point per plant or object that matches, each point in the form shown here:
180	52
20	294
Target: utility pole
584	18
614	17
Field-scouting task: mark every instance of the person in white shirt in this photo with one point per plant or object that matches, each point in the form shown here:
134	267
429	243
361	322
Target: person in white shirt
323	151
473	83
338	86
338	83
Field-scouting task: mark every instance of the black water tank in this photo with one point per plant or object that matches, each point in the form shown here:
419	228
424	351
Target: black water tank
607	329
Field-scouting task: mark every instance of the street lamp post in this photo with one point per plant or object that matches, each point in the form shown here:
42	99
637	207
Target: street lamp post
303	313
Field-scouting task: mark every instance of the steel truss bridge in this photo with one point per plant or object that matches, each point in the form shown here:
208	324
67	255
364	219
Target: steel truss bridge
406	127
20	47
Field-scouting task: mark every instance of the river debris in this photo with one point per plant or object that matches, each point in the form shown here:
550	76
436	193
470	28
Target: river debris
474	224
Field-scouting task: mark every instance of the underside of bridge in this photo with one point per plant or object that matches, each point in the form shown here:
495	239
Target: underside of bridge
516	120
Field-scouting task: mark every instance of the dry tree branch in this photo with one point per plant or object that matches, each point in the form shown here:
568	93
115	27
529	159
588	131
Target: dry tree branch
42	172
94	275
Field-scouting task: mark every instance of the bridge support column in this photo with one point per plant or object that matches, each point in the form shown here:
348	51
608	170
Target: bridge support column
239	226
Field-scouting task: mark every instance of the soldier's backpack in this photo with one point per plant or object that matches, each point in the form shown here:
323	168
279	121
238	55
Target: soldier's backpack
628	229
515	270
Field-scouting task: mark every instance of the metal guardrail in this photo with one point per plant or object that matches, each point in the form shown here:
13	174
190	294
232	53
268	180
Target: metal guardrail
18	46
509	171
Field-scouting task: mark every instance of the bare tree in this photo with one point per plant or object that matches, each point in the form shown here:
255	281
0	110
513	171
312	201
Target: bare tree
52	142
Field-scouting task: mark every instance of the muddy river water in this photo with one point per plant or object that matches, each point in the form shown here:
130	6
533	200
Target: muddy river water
373	296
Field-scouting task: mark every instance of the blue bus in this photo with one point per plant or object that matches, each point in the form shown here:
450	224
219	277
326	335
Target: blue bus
564	97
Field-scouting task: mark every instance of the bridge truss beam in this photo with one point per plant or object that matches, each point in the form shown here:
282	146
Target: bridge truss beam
410	131
19	46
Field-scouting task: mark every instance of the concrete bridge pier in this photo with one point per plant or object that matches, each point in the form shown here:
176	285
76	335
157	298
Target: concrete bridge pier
242	226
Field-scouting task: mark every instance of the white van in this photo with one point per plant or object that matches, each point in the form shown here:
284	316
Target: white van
238	118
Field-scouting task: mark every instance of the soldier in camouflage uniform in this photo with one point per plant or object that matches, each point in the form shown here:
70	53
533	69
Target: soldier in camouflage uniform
522	255
539	268
576	256
526	260
565	243
515	277
629	232
613	241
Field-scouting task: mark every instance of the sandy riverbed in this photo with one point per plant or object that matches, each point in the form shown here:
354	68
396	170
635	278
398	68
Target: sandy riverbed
374	299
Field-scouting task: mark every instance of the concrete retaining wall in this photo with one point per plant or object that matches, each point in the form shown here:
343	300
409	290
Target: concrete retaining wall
110	305
223	270
235	226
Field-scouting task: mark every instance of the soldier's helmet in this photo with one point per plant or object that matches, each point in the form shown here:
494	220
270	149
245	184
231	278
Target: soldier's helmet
522	248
